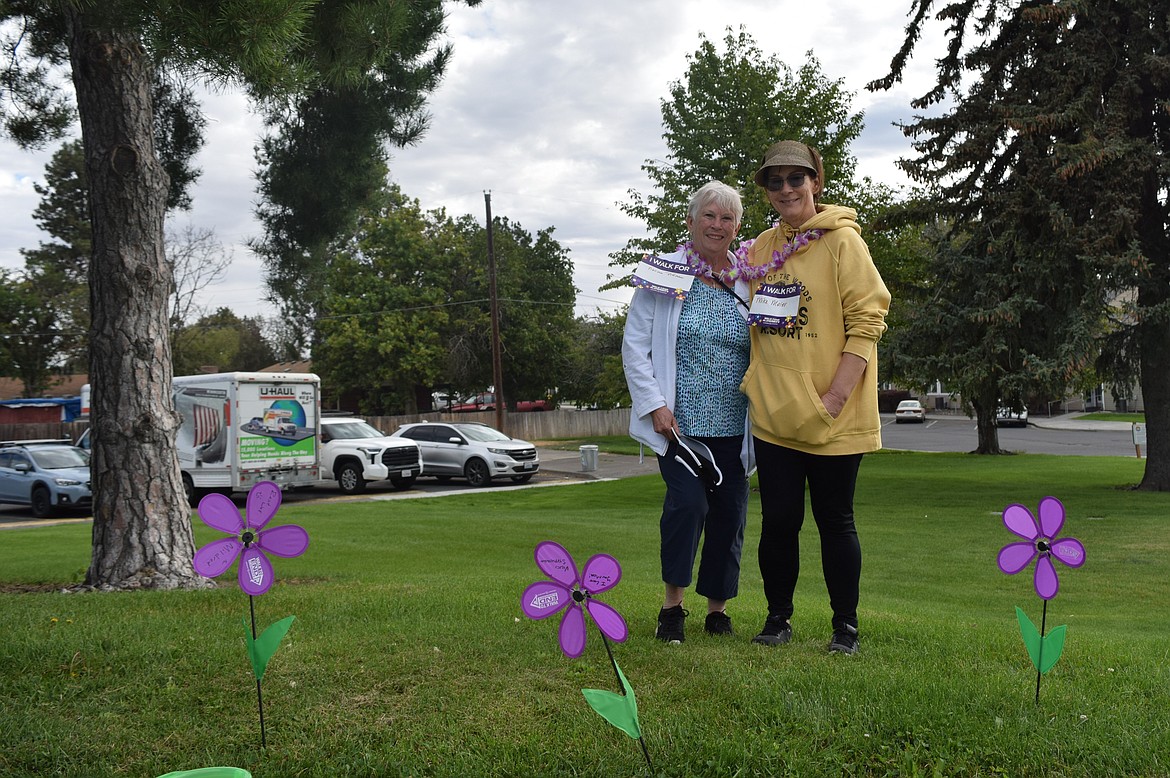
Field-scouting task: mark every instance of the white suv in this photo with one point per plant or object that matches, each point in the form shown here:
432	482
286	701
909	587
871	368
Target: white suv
354	453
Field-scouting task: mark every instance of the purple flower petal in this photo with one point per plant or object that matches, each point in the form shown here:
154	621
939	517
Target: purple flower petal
544	598
263	503
217	511
287	540
601	572
255	575
1014	557
1051	517
216	557
1045	581
1069	551
609	621
572	632
555	562
1019	521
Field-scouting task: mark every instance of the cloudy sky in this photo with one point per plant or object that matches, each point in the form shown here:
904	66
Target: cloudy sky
552	106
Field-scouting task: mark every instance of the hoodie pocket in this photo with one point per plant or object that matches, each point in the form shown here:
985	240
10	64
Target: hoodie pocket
785	404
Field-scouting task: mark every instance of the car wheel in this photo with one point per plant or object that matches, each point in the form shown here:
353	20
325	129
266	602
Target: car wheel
442	478
42	503
402	483
476	472
522	479
349	478
897	421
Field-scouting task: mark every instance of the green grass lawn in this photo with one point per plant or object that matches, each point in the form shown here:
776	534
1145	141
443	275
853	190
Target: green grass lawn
410	656
1107	416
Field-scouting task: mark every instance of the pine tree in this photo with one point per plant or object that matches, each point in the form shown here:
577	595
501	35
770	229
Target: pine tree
1048	144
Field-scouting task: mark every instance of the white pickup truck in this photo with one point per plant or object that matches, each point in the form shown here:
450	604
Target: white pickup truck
354	453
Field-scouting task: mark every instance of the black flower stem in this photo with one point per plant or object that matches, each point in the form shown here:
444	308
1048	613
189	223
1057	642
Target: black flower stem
622	688
1040	654
259	697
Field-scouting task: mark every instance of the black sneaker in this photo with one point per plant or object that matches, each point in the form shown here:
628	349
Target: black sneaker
670	624
844	640
718	623
776	632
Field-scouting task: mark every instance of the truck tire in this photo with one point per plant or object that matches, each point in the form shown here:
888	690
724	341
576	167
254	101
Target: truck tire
189	491
42	503
476	472
349	478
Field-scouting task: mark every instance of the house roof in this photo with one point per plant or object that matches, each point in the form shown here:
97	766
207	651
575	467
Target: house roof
294	366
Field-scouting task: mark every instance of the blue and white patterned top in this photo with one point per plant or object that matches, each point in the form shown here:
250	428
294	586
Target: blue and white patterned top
712	352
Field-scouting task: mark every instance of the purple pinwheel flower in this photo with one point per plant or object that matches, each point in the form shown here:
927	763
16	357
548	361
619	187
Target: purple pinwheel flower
1040	541
568	590
255	574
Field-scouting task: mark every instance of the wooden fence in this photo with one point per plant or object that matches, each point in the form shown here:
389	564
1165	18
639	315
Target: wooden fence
54	430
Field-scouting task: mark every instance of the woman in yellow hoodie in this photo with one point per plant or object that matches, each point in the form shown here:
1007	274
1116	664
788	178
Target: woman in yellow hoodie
818	311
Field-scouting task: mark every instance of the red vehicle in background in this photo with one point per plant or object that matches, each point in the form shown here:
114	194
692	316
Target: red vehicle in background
486	401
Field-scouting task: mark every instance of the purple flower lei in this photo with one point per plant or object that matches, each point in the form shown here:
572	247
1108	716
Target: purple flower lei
740	268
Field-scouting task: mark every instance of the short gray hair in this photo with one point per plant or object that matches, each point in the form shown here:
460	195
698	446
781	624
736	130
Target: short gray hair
719	193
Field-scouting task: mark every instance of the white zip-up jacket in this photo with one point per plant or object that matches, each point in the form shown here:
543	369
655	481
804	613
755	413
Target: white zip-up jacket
649	346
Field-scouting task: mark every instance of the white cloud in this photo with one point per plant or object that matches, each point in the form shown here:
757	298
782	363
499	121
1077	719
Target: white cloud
551	106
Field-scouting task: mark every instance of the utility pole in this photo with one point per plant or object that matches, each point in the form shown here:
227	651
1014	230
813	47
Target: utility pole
497	367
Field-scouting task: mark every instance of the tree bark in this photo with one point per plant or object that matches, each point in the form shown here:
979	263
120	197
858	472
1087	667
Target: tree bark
1155	351
986	428
142	526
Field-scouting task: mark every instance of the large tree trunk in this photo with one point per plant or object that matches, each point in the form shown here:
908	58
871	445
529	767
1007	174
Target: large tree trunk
986	428
142	528
1155	350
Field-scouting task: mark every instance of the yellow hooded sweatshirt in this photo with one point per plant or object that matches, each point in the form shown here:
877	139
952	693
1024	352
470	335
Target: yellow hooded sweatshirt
843	305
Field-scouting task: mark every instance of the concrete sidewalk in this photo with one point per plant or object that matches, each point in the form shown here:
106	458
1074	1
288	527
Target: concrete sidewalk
569	463
1073	421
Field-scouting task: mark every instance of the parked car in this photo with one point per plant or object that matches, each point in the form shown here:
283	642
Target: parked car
909	410
474	451
486	401
1006	416
354	453
46	475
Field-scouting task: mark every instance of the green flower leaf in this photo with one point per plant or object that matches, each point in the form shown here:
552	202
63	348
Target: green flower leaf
1043	651
261	649
620	710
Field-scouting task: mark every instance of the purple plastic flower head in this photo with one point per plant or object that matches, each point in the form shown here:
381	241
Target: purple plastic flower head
1040	542
255	574
568	591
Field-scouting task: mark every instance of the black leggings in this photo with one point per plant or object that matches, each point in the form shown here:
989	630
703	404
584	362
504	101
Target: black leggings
831	480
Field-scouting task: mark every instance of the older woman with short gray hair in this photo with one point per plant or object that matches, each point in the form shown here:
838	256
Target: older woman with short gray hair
685	352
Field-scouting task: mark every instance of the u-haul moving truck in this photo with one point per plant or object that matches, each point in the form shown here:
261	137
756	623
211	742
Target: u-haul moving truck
242	428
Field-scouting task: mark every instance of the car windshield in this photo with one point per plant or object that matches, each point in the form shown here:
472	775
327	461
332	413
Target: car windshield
60	458
907	404
480	433
352	429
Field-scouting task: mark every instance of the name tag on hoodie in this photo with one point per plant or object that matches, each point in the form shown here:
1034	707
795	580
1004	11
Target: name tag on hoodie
775	306
661	277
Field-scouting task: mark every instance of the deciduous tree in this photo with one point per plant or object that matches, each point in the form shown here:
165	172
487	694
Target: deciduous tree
718	121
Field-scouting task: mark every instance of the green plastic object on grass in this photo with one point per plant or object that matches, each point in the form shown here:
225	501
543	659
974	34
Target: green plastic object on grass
210	772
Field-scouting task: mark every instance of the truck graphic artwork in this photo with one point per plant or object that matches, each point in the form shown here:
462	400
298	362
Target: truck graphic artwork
283	421
202	431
